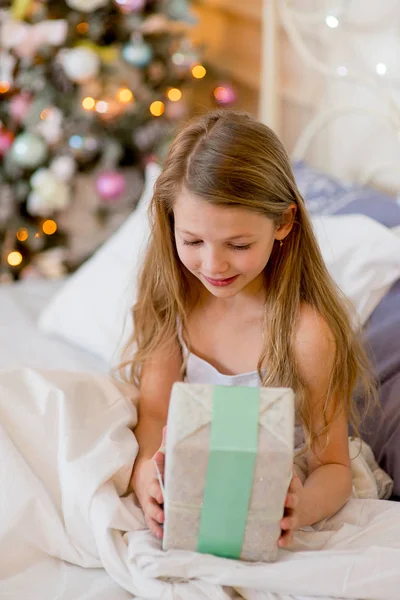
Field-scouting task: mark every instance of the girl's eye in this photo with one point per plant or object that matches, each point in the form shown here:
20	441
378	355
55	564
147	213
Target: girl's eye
185	243
246	247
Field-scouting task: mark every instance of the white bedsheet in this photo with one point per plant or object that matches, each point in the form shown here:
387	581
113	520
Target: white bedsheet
66	455
21	343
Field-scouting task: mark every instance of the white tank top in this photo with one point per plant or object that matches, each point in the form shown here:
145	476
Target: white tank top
199	370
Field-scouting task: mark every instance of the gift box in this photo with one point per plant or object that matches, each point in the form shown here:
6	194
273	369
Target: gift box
228	465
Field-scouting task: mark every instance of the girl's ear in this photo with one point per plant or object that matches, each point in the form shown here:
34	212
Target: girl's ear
287	222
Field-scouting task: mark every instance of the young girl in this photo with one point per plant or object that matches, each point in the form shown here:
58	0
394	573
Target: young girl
234	291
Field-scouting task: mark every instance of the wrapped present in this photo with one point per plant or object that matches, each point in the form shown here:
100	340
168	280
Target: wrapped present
228	465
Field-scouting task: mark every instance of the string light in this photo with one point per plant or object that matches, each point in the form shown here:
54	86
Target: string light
174	94
88	103
4	87
101	106
332	21
45	114
22	234
14	259
125	95
157	108
82	28
199	71
381	68
342	71
49	227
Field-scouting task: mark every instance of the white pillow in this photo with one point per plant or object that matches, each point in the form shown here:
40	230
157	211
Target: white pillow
91	310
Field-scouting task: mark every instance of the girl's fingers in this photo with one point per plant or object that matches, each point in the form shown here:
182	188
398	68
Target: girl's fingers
289	522
155	491
159	458
291	501
154	527
154	511
285	539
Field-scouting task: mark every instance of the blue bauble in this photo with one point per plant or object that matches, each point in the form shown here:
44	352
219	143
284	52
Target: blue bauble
29	150
137	54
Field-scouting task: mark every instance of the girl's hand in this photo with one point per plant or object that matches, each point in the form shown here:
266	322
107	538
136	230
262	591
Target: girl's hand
290	521
147	488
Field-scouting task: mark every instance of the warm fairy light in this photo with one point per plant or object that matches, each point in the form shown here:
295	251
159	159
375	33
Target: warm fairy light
49	227
37	235
101	106
14	259
125	95
381	68
45	114
198	72
174	94
88	103
82	27
22	234
332	21
157	108
4	87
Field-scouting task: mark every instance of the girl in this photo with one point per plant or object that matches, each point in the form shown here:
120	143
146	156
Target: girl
234	291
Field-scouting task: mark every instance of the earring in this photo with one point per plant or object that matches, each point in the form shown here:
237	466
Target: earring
281	243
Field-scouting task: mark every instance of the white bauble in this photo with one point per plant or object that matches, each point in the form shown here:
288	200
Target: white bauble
87	5
64	167
81	64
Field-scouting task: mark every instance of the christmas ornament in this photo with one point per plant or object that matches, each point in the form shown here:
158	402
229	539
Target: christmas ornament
6	141
19	107
86	5
178	10
26	39
28	150
81	64
7	65
110	185
50	125
128	7
185	56
63	167
137	53
49	194
224	95
84	148
51	263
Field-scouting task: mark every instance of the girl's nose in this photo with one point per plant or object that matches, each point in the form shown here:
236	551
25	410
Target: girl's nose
214	263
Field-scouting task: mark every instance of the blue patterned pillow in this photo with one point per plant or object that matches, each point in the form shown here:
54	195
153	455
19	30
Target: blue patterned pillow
325	195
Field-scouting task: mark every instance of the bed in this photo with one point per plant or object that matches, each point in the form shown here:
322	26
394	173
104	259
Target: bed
69	531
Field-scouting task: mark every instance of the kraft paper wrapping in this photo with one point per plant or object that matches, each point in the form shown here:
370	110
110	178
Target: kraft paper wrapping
187	453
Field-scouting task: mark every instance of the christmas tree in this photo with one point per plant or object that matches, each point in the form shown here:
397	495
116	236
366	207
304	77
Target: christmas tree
90	91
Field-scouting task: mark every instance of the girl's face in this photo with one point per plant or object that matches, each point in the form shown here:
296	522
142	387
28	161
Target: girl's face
225	248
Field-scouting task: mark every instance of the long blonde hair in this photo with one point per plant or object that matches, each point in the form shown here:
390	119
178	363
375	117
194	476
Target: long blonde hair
229	158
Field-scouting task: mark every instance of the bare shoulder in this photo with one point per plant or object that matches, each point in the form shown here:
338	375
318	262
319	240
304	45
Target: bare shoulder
314	344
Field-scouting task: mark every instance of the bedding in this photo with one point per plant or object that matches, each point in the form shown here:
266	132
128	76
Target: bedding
326	195
22	344
67	451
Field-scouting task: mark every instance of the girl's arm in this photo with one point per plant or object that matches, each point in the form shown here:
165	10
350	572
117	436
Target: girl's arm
157	380
329	482
158	377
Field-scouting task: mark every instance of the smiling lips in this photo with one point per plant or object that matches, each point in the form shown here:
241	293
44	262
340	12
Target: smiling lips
221	282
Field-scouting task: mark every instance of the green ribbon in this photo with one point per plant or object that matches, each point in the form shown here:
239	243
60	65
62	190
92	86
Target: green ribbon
230	471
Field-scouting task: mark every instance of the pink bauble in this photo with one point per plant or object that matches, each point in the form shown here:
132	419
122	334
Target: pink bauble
19	107
130	6
6	141
110	185
224	94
